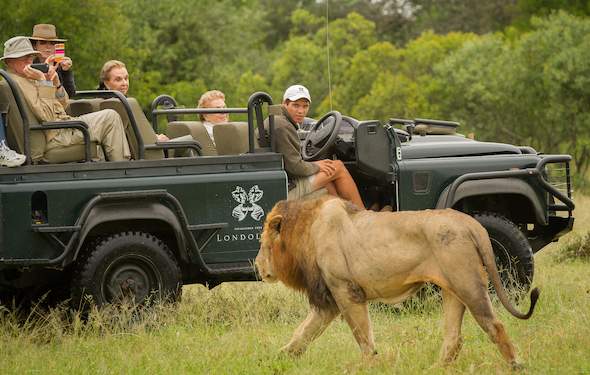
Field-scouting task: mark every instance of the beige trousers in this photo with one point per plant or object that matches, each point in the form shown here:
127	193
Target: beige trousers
105	127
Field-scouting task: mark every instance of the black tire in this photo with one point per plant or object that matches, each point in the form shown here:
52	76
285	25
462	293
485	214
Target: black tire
131	267
514	256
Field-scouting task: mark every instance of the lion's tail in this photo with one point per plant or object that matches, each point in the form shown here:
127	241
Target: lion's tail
484	248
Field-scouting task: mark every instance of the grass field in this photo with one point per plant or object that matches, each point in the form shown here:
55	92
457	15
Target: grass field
237	328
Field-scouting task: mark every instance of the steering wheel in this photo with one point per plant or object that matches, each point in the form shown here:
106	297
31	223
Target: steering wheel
321	136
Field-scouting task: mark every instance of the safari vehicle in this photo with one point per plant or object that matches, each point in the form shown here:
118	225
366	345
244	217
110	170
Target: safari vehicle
142	228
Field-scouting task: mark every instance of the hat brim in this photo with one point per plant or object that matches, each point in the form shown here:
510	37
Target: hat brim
297	97
20	54
47	40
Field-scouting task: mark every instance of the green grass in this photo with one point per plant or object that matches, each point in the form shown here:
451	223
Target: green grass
237	328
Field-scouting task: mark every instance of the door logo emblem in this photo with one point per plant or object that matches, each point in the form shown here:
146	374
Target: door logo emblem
247	203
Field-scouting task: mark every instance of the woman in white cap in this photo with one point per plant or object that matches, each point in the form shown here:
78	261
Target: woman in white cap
44	39
306	177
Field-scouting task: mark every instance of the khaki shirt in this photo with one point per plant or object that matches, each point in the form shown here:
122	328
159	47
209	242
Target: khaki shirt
42	101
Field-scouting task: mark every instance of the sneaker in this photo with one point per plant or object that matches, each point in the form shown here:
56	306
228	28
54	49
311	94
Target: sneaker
10	158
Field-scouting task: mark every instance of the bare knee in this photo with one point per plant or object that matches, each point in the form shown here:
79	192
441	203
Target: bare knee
338	164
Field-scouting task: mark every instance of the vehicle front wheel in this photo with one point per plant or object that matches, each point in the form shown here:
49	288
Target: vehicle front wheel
514	256
132	267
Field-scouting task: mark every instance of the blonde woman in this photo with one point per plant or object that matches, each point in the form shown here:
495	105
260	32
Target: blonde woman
212	99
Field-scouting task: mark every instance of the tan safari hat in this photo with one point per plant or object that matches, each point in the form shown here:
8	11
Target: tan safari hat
45	31
18	46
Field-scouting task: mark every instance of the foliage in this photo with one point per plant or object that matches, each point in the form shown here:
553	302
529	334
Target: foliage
89	43
543	8
526	84
576	247
533	90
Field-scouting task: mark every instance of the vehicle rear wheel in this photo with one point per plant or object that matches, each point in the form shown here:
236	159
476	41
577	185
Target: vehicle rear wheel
129	267
514	256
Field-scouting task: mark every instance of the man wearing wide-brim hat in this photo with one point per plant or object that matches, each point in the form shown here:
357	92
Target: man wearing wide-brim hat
45	98
44	39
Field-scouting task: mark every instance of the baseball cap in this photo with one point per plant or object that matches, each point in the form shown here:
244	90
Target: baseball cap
296	92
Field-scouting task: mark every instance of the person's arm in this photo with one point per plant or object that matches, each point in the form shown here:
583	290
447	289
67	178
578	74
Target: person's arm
288	145
37	90
67	80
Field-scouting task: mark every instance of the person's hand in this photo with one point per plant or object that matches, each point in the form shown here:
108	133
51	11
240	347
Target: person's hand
52	76
326	166
66	63
162	138
35	74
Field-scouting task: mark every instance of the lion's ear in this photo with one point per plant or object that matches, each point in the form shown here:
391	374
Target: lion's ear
275	224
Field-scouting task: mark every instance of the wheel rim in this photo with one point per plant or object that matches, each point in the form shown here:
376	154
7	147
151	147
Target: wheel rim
132	278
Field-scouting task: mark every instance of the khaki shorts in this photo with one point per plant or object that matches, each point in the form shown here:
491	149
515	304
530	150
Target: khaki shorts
303	186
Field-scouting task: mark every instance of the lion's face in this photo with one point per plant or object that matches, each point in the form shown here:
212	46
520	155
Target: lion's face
269	241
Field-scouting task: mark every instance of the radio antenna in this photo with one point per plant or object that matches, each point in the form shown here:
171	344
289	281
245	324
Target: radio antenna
328	52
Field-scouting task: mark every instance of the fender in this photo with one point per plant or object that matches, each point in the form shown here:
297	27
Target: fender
496	186
130	211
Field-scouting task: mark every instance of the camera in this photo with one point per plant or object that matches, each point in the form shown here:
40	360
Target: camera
41	67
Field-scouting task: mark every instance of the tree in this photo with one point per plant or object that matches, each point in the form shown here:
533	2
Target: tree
89	43
534	90
199	42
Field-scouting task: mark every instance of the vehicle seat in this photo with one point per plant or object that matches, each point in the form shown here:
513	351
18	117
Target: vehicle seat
15	133
81	107
146	131
231	138
197	130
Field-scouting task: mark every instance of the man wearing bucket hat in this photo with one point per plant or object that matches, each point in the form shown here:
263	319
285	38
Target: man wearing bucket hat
45	99
306	177
44	40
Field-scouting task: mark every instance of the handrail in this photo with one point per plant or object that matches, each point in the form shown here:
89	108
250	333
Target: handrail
254	103
165	100
70	124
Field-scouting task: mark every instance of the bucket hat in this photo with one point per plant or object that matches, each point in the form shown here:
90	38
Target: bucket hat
18	46
45	31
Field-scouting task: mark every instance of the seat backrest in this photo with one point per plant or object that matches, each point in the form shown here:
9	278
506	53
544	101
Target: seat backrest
231	138
15	124
81	107
146	132
197	130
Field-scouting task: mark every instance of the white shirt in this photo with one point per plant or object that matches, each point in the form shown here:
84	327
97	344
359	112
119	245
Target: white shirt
209	127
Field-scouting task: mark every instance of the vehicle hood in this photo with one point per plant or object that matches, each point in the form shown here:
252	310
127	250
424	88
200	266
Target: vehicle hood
449	146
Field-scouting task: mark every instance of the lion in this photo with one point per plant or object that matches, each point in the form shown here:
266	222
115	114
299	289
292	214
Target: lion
341	257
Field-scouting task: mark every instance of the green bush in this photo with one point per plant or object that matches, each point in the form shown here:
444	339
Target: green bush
576	247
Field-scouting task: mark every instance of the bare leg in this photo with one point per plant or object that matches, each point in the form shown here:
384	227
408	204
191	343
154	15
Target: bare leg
331	188
453	310
342	181
311	328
